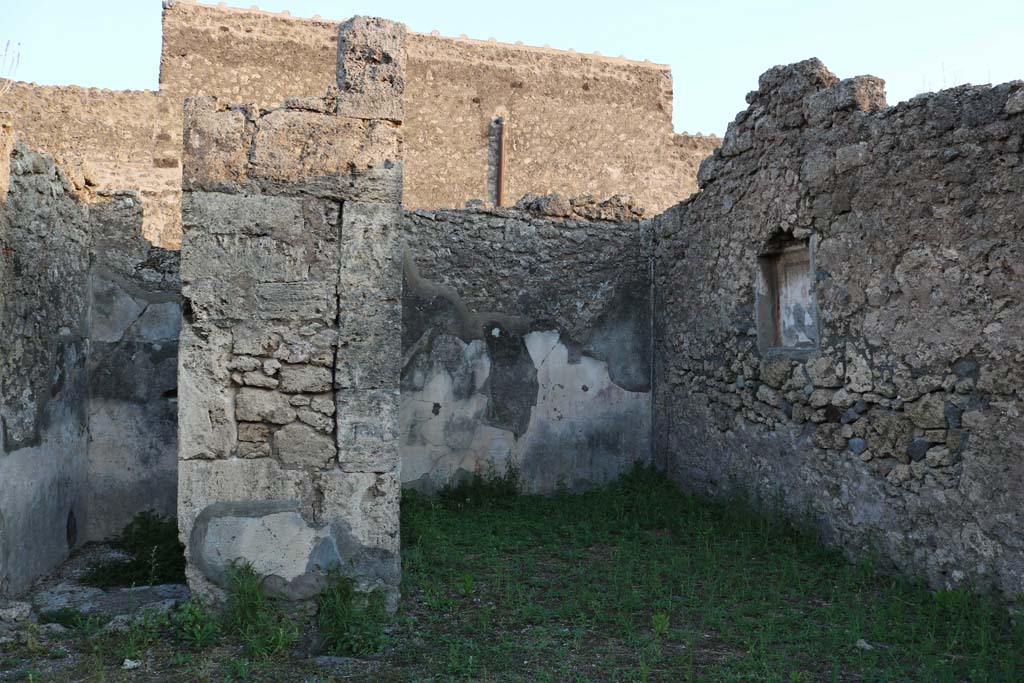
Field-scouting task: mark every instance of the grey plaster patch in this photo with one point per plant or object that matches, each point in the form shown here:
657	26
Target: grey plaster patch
513	382
291	555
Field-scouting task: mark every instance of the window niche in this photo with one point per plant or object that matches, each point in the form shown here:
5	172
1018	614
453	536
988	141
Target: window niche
787	316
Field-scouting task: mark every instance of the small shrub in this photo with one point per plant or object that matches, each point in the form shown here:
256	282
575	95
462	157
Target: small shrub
157	556
197	625
352	623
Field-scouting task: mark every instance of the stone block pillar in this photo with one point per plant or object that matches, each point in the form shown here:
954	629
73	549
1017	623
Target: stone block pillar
290	347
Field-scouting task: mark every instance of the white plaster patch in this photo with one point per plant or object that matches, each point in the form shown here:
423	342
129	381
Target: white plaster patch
277	544
584	429
442	432
540	344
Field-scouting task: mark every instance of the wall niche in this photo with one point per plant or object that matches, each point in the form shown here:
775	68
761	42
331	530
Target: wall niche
787	315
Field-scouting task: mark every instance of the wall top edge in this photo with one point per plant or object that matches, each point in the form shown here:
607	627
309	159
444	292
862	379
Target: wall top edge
317	19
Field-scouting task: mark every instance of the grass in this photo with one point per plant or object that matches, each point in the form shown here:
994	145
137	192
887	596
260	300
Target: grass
636	582
640	582
156	555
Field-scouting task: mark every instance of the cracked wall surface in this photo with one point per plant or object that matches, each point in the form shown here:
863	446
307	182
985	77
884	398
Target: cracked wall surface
526	344
901	435
80	453
288	375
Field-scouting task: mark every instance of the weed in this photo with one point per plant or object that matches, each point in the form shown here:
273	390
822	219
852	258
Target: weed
182	659
197	625
157	556
465	584
145	631
239	669
255	617
659	624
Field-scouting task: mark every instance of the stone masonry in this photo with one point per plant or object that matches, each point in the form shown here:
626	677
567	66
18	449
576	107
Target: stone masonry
894	421
290	349
89	317
508	363
569	114
833	326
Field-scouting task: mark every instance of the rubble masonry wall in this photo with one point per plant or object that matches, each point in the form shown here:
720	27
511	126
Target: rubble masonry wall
89	313
897	427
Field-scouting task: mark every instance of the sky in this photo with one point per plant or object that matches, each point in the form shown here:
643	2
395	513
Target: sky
716	50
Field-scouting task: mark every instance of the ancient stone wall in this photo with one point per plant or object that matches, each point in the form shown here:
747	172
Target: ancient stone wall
43	313
575	124
109	140
840	321
289	367
134	322
56	450
526	344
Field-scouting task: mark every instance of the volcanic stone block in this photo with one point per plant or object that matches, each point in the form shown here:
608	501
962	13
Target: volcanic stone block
205	409
368	430
371	69
254	215
928	412
295	301
281	153
300	444
215	151
304	379
262	405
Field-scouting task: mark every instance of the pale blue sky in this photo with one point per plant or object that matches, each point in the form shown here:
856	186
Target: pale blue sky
716	49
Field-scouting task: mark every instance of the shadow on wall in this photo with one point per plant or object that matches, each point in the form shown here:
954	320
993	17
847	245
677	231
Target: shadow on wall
89	312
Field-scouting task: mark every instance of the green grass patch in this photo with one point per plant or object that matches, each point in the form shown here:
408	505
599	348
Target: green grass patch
641	582
634	582
256	619
157	556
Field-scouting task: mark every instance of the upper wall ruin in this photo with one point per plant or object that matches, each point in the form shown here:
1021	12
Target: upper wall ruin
566	115
109	140
571	123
